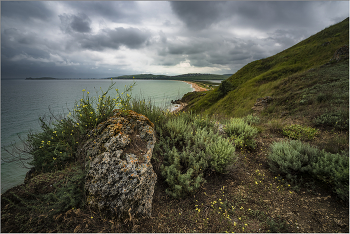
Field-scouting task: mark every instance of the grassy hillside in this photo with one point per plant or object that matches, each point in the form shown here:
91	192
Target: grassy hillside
265	77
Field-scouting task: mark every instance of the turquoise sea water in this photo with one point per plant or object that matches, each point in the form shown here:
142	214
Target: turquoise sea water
24	101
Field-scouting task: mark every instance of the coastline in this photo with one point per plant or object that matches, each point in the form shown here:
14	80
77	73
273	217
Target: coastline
195	87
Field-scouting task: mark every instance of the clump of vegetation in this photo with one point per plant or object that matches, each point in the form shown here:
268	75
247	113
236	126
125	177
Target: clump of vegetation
155	114
46	196
188	146
298	132
295	158
252	119
275	125
334	169
56	145
277	225
338	120
69	195
241	132
225	87
292	157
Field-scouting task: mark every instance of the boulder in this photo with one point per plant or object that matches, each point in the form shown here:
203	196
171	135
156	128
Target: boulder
120	179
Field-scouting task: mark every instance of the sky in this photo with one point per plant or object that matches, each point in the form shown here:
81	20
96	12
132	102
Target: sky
75	39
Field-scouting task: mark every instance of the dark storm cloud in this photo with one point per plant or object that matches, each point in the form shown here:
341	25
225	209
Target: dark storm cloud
81	23
95	39
15	42
25	10
42	69
280	25
262	15
116	11
187	48
75	23
208	52
197	15
132	38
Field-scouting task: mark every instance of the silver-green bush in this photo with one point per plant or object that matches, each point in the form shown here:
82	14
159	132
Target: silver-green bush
293	158
241	132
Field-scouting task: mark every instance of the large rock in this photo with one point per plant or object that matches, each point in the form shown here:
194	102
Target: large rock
121	180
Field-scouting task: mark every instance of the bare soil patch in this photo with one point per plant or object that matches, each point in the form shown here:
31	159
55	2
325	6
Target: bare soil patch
247	199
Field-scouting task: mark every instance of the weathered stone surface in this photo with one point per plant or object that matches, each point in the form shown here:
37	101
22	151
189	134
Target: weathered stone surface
342	52
121	179
261	103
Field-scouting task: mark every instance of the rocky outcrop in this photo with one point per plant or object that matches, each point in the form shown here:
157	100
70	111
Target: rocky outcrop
30	174
261	103
178	101
342	52
120	179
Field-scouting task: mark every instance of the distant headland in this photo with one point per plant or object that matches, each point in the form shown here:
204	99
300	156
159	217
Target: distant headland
187	77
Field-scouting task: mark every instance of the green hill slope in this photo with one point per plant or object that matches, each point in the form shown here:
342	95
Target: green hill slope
238	94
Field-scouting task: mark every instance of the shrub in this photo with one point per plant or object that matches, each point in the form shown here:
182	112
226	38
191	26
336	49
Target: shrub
241	132
70	195
221	154
184	173
334	169
179	129
90	111
225	87
338	120
203	121
293	158
187	146
155	114
275	125
56	145
251	119
299	132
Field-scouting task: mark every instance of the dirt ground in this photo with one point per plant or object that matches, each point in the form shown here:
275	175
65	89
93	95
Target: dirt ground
252	200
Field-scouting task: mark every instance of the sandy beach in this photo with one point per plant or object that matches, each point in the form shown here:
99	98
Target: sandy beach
196	87
179	107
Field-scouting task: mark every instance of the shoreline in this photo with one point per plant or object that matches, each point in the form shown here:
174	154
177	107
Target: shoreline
196	88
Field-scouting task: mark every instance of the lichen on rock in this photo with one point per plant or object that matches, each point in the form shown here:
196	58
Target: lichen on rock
120	179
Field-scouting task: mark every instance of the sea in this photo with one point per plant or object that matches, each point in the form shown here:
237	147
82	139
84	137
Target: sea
24	101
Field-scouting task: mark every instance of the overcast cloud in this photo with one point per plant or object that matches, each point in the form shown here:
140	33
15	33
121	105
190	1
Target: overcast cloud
104	39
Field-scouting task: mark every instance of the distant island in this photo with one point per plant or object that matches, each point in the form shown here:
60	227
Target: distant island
51	78
187	77
41	78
